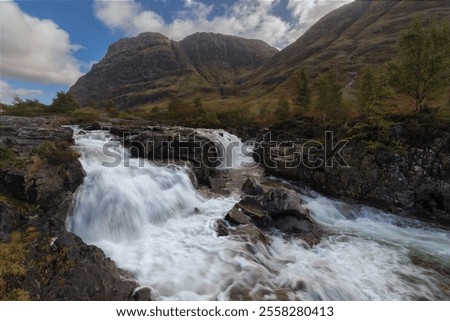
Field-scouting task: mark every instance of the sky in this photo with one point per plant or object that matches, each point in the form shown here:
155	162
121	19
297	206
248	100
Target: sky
45	46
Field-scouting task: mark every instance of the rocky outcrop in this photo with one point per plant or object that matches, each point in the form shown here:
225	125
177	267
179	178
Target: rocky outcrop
279	208
174	145
39	259
151	67
409	177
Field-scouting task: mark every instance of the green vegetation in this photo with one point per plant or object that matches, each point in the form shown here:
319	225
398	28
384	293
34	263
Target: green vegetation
303	91
329	93
64	102
8	159
282	112
57	153
422	66
13	265
27	107
85	115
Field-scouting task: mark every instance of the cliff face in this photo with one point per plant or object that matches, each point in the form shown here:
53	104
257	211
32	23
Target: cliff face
150	66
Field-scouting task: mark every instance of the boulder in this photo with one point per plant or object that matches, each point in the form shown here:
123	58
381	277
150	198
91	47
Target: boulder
252	187
236	217
284	202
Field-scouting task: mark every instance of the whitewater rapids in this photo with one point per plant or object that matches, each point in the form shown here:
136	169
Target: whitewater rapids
152	222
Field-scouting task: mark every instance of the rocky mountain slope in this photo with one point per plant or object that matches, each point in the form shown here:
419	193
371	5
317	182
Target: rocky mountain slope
150	66
354	35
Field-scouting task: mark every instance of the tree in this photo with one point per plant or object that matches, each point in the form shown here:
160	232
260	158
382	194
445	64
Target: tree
303	91
422	66
198	107
180	109
64	102
329	93
373	90
282	112
366	88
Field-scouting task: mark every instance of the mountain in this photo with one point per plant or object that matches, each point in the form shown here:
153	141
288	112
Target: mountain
150	67
356	34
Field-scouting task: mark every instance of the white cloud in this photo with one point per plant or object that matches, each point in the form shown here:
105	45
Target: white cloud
310	11
247	18
7	93
35	50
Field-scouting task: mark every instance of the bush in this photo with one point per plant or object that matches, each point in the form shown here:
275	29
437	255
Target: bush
64	102
85	115
282	112
26	108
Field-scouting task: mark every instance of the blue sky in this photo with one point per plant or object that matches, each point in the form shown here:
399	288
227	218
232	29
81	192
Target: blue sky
47	45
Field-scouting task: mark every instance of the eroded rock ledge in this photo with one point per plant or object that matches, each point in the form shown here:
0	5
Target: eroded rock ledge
410	177
40	260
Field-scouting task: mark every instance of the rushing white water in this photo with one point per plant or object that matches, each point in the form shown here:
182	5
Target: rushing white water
152	222
231	150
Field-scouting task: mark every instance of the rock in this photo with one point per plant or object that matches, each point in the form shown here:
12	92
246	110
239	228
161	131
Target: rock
251	233
252	187
38	178
236	217
253	209
411	176
143	294
222	228
82	272
290	224
283	202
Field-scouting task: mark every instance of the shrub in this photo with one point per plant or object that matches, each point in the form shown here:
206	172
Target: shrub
85	115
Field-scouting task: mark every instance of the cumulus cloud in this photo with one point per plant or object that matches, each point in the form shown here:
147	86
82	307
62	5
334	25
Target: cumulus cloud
7	93
35	50
247	18
309	11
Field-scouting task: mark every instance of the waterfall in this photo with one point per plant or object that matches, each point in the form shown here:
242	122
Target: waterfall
233	152
152	222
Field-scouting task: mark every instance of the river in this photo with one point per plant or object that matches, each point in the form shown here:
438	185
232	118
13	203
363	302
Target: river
153	223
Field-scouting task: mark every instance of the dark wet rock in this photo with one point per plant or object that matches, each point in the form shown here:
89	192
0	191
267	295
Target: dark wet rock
173	145
252	187
411	179
291	224
143	294
236	217
283	202
254	209
38	178
250	233
222	228
82	272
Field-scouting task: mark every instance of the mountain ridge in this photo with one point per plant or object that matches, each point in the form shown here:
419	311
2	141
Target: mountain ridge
251	73
151	66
